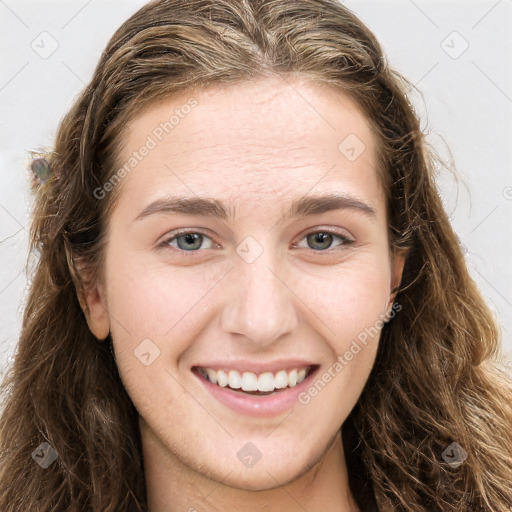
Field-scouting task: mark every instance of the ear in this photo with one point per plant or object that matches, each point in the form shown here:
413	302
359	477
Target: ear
397	267
91	296
96	311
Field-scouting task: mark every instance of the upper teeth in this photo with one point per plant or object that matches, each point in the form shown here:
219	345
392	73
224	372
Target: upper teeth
248	381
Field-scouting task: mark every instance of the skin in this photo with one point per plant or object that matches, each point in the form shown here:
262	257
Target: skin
255	147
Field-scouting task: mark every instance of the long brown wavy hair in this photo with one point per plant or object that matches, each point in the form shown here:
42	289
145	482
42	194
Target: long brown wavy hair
437	377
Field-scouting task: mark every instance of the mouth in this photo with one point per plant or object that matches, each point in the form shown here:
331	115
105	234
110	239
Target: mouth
265	383
262	394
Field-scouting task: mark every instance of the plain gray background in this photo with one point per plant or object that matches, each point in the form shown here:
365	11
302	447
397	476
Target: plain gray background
457	53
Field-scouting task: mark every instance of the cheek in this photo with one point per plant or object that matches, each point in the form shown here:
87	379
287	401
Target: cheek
350	306
157	302
349	300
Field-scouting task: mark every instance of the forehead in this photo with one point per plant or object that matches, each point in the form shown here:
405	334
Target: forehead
258	140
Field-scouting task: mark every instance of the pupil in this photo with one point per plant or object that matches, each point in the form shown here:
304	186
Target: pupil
324	239
194	239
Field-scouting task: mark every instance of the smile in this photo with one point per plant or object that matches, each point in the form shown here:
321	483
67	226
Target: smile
259	394
252	382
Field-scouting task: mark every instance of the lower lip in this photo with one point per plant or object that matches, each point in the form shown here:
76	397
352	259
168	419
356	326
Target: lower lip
262	406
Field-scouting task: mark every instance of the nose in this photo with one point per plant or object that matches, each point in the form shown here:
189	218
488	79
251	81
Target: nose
260	306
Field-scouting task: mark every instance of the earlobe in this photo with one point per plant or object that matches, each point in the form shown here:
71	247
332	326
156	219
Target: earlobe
96	312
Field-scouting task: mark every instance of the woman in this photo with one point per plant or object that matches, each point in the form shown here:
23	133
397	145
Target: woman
248	293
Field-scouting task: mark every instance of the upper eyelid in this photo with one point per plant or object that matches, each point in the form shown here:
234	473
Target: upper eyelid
175	234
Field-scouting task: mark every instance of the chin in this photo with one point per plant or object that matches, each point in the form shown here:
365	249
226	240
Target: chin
264	475
260	480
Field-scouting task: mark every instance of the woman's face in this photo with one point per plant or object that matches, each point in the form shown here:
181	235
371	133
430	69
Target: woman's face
249	246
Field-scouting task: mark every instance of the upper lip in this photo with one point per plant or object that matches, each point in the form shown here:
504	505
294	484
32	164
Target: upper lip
256	366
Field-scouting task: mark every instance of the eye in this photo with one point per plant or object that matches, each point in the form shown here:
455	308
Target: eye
189	241
322	240
193	241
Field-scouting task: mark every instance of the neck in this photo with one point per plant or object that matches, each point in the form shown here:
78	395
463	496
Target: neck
173	486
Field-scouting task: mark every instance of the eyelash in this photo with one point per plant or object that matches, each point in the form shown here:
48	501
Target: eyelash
346	241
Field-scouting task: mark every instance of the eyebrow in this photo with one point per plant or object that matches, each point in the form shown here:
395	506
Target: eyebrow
211	207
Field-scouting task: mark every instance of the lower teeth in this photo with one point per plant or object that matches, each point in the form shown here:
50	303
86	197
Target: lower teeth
255	392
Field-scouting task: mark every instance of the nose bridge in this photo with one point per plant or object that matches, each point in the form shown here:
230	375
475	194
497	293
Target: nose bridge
259	306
